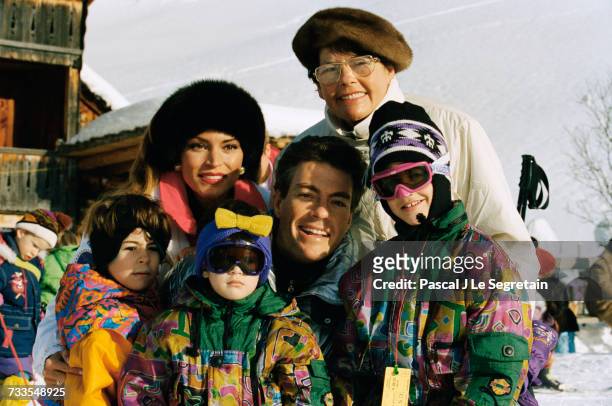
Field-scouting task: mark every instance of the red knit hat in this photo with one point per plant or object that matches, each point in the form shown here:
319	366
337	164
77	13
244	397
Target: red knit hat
45	224
547	263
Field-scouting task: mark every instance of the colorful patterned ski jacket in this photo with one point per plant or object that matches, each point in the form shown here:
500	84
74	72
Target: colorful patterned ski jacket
208	350
472	348
320	301
87	301
97	320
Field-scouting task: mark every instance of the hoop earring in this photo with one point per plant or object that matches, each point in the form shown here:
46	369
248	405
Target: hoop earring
241	171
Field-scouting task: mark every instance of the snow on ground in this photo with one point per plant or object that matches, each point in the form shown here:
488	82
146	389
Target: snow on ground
518	66
587	373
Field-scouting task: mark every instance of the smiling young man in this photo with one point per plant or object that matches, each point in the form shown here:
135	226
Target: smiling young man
353	56
319	182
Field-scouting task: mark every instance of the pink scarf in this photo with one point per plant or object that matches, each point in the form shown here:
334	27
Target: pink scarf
174	201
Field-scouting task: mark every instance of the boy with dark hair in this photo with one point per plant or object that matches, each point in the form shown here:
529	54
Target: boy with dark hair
100	307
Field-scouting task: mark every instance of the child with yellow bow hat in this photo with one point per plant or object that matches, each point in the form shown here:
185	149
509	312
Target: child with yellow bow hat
229	338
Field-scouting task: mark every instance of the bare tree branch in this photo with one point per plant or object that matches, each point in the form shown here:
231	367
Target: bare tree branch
591	160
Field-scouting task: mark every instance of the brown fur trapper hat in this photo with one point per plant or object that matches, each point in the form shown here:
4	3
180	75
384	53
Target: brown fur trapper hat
367	30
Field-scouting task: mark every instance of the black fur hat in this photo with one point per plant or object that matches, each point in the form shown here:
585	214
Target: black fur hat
200	106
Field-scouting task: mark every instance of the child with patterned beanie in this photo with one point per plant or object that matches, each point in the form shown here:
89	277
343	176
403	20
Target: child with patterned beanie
460	345
101	306
230	339
21	268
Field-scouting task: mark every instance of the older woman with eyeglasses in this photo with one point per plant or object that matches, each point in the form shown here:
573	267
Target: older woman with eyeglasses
352	56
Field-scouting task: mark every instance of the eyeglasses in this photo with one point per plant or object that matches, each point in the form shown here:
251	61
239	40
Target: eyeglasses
402	180
223	257
329	73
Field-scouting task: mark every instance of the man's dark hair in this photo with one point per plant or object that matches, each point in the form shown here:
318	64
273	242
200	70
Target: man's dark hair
330	150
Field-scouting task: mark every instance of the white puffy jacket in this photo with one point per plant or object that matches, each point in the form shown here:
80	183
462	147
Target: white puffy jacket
477	179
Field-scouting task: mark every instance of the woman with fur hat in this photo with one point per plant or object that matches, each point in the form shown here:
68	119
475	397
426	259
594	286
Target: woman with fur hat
353	56
229	339
202	146
458	346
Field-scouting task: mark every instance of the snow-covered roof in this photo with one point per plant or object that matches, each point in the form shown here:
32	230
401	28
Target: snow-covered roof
129	118
280	120
99	86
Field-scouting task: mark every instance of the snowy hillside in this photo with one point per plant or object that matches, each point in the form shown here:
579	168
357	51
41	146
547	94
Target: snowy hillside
586	374
518	66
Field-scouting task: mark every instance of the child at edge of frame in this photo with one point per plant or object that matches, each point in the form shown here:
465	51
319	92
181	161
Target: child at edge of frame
21	269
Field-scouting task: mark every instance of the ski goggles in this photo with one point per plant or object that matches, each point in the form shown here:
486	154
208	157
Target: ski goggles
223	257
404	179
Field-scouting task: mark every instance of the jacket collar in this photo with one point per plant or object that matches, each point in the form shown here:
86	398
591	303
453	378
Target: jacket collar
199	294
174	201
7	248
361	131
450	226
86	301
325	287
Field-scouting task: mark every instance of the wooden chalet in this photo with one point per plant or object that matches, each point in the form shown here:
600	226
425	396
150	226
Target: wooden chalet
41	48
105	149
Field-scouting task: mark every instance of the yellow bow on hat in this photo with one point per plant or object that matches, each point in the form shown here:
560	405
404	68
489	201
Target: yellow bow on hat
258	225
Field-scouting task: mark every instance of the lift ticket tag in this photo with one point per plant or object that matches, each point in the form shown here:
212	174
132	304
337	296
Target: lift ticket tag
396	387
